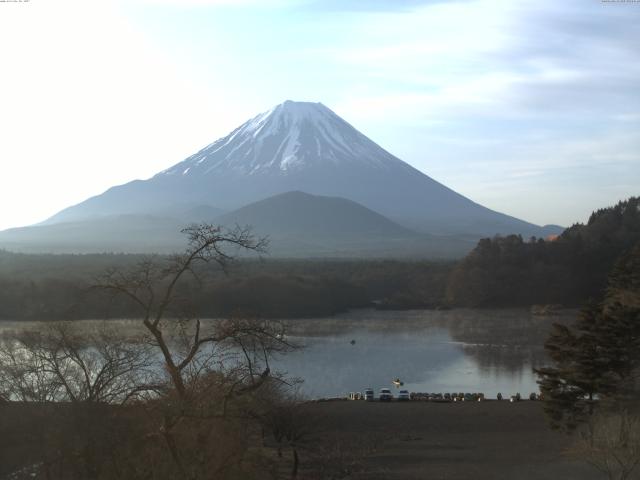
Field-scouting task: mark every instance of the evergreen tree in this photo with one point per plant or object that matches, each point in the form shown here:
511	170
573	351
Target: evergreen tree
569	269
598	358
571	386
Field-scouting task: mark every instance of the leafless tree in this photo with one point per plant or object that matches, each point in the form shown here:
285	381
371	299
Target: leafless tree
68	385
59	362
22	375
214	367
153	286
286	421
186	392
611	444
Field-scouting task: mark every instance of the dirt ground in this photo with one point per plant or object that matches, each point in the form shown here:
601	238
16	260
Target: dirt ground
425	440
372	440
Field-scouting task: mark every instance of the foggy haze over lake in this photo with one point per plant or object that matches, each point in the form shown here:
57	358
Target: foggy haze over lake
460	350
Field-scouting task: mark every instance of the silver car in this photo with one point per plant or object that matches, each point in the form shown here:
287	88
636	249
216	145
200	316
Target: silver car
385	395
368	394
403	396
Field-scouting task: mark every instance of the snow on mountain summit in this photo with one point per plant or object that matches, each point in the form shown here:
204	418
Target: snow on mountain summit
300	146
286	138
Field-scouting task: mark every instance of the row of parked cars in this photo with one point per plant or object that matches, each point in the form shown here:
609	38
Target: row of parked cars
449	397
385	395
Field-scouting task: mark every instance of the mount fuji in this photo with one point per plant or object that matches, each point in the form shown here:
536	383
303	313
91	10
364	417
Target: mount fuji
298	147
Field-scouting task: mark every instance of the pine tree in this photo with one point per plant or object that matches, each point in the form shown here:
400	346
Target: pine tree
596	360
571	386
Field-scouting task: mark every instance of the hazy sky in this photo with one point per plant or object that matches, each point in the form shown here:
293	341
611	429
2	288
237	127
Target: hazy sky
531	108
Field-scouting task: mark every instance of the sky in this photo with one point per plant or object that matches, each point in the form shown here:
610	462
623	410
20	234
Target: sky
531	108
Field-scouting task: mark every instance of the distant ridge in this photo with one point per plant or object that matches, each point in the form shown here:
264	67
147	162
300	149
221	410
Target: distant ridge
298	225
131	233
308	215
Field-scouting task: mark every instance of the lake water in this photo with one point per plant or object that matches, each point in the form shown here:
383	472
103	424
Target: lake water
458	350
485	351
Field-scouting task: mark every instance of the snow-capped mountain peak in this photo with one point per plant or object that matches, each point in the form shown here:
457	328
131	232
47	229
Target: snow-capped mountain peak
301	146
289	137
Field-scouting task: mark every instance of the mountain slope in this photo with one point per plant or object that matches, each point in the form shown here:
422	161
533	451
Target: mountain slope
298	225
306	215
301	146
129	233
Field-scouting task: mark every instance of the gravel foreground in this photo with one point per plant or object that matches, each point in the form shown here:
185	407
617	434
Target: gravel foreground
427	440
398	440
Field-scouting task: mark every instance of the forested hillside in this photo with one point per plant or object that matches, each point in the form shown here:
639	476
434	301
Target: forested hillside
500	272
510	271
58	287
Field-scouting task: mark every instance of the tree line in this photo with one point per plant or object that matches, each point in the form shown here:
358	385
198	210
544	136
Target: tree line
568	270
500	272
592	386
58	287
177	398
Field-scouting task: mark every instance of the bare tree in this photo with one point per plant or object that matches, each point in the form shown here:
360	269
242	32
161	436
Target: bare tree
611	444
186	392
153	286
23	376
59	362
71	386
213	368
285	419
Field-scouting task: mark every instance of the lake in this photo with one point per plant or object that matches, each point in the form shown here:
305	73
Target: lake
461	350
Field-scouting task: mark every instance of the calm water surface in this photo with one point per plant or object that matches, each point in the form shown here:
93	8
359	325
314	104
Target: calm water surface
458	350
486	351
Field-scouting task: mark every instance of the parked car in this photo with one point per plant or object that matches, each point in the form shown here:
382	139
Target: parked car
368	395
403	396
385	395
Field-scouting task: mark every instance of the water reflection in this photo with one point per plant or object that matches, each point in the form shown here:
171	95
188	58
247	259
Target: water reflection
431	351
461	350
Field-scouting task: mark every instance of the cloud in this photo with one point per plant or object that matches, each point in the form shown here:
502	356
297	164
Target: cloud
506	100
515	59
